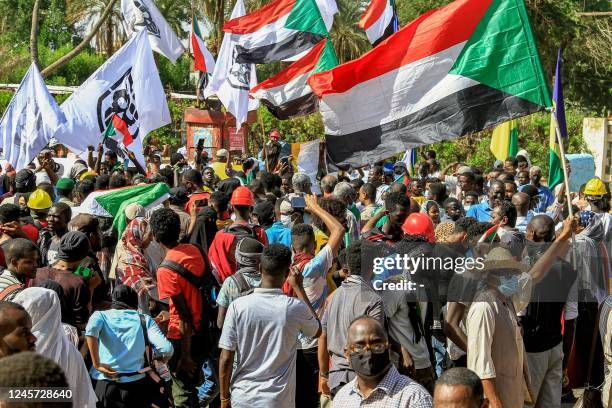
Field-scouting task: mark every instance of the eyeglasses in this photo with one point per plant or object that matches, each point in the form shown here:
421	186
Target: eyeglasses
377	348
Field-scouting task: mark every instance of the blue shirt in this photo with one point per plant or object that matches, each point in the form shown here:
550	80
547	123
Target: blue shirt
521	222
279	234
482	212
121	341
546	198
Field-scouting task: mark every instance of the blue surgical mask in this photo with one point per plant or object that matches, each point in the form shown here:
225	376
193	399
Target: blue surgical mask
466	207
426	194
509	285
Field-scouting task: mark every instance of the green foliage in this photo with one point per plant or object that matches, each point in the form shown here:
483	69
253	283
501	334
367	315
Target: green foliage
302	129
172	134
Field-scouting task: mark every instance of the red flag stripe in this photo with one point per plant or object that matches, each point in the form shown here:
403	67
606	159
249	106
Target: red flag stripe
121	127
374	11
429	34
303	66
198	54
260	18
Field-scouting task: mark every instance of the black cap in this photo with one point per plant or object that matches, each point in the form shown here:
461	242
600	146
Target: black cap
178	195
25	181
73	246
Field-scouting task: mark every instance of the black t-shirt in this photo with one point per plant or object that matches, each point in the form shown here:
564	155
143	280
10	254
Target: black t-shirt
542	321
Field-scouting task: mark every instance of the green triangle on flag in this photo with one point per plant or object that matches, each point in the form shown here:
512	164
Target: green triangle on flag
305	16
115	201
502	54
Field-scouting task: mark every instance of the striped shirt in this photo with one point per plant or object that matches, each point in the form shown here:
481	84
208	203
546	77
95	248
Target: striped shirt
393	391
7	279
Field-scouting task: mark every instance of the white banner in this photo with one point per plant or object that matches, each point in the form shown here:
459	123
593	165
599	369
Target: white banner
231	81
127	85
30	120
143	14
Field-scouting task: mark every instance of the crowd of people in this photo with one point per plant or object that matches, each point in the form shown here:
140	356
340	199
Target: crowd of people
246	289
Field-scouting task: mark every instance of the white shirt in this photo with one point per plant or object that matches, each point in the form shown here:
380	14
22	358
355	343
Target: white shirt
262	328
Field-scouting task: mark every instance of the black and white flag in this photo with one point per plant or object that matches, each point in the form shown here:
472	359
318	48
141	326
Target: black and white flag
142	15
126	86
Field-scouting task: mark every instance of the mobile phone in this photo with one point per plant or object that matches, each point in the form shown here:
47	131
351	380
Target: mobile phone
298	202
284	160
200	203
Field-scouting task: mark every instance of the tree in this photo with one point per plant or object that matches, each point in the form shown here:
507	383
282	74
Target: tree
76	50
110	35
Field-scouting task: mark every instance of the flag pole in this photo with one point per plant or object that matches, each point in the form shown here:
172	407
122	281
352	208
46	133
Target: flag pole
568	196
563	162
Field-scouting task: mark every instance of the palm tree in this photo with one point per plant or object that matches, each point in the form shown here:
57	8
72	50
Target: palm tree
111	35
349	40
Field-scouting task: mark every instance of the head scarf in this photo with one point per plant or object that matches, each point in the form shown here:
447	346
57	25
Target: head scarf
427	205
593	227
248	259
131	262
444	230
205	228
43	306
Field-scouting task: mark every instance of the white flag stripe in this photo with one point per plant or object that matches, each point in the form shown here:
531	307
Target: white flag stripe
209	60
128	85
427	77
30	120
231	81
143	14
328	9
377	30
281	94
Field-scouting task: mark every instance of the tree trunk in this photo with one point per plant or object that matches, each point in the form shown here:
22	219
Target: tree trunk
34	34
109	38
220	21
82	45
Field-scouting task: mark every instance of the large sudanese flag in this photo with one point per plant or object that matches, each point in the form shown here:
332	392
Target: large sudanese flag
112	203
281	30
455	70
287	94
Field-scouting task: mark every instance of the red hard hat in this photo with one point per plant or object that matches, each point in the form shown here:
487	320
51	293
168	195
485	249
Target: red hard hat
242	196
275	134
421	225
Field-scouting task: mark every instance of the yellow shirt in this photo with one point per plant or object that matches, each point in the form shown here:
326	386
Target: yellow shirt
321	239
219	169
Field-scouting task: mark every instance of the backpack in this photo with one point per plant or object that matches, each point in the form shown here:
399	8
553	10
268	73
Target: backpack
244	288
207	286
241	231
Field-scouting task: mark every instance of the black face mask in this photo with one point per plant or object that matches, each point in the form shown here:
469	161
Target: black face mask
370	364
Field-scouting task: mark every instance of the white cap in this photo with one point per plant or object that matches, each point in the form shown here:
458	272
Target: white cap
222	153
42	178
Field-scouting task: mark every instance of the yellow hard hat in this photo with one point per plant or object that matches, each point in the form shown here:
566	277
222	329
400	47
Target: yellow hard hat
595	187
40	200
87	174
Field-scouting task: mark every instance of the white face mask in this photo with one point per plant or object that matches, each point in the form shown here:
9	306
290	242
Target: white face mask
286	220
426	194
466	207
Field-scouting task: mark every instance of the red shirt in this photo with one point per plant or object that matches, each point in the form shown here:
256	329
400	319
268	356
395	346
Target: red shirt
194	198
170	283
31	231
